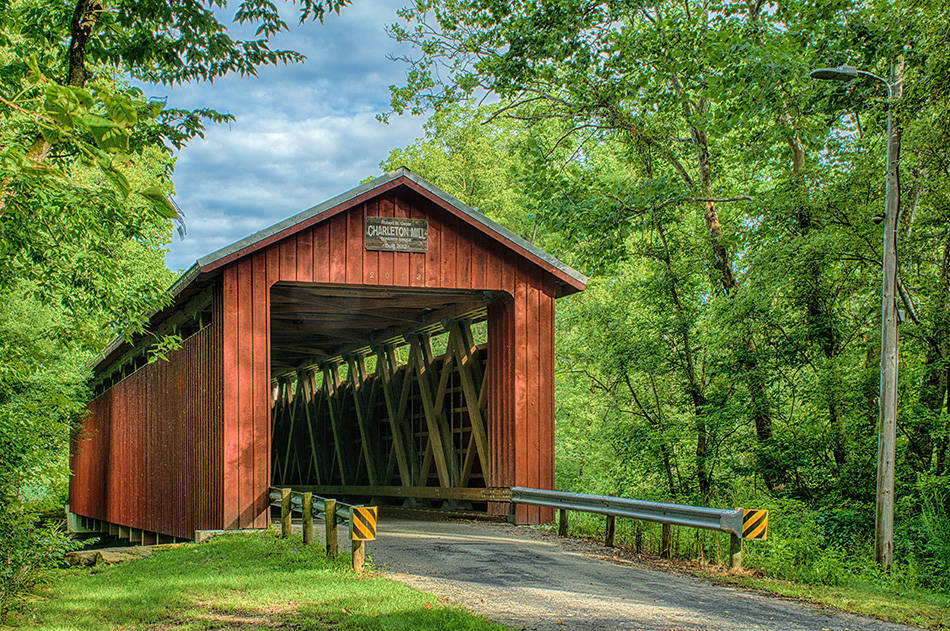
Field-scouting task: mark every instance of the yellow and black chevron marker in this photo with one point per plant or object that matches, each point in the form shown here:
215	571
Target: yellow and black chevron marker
755	524
364	523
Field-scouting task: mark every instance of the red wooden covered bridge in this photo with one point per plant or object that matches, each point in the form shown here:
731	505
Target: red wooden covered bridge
390	343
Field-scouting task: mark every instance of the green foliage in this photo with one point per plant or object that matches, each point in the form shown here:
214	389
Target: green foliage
935	513
474	157
85	210
727	346
28	553
796	549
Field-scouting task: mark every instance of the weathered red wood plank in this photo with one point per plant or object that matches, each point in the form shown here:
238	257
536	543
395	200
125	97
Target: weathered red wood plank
321	252
260	382
337	249
463	260
533	387
546	396
479	266
417	260
433	273
304	255
449	252
214	425
354	245
272	265
245	460
288	259
520	398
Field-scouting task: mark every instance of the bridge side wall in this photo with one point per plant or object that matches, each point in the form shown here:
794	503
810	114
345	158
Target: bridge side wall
148	455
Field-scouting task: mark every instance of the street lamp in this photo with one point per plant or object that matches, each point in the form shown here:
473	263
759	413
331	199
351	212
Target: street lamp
887	423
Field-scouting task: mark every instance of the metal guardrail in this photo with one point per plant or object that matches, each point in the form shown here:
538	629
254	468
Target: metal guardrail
674	514
730	521
361	520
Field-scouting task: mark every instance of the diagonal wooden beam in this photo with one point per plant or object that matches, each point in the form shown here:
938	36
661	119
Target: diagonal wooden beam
274	417
431	414
467	357
331	382
444	378
325	454
483	394
469	460
384	368
309	400
292	417
356	376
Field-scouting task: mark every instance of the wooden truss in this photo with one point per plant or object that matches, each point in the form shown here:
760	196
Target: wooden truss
416	425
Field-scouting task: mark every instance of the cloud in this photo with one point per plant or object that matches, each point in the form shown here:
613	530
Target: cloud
303	133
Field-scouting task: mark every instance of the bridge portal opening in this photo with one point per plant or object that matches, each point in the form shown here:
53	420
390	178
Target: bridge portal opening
382	393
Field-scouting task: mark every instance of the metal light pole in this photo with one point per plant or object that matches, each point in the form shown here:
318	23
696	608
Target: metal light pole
887	423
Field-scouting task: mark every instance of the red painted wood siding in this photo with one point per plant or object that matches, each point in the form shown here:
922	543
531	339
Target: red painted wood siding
149	455
521	332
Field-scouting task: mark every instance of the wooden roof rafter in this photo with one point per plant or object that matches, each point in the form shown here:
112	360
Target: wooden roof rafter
461	304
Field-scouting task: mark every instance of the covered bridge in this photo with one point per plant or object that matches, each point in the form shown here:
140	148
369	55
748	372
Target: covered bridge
391	343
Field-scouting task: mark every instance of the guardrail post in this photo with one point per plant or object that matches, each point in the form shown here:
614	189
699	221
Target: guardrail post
735	551
666	541
330	516
307	509
609	533
562	522
285	514
359	555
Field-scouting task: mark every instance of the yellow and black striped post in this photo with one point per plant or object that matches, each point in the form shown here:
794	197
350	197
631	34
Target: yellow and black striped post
362	529
755	524
364	523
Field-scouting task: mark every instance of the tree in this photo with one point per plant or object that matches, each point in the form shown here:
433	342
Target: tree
695	125
474	157
84	206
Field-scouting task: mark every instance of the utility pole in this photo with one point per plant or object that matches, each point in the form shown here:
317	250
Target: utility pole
887	401
887	423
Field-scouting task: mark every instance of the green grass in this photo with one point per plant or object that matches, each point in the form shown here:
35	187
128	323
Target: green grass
891	600
239	582
918	608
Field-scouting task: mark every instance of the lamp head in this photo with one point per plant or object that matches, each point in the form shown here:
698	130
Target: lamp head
843	72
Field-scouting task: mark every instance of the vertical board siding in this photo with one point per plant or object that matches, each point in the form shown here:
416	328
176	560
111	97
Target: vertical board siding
149	452
261	376
197	428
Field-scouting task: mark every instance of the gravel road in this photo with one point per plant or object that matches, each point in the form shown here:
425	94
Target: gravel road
528	579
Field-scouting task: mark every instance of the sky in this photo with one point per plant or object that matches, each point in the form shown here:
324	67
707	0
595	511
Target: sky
304	133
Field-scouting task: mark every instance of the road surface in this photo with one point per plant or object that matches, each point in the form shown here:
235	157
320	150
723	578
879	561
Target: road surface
529	579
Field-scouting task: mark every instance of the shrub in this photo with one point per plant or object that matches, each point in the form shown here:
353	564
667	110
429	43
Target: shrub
28	551
796	549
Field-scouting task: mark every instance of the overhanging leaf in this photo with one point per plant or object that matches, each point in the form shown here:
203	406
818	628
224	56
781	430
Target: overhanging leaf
159	202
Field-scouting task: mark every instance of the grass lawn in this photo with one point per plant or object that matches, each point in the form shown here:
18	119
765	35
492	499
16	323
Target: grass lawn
239	582
920	609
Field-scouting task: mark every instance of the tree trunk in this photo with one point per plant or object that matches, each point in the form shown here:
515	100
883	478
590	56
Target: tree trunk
755	381
694	387
928	453
84	19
